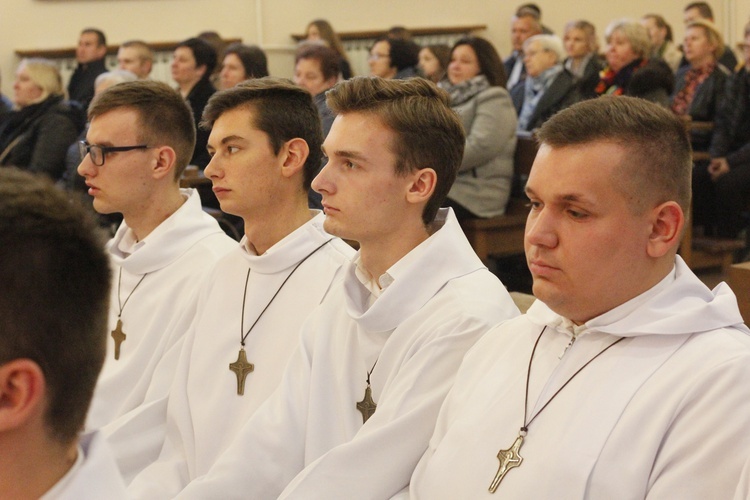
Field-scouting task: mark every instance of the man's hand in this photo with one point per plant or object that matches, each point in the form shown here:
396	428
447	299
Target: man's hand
717	168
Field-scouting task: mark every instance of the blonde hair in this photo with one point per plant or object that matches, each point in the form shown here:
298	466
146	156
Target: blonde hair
45	75
712	34
634	32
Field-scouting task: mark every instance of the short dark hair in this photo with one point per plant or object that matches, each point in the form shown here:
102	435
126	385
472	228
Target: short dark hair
54	302
703	9
204	54
403	54
282	110
658	166
490	64
329	60
100	38
144	51
399	32
252	57
428	132
165	117
529	8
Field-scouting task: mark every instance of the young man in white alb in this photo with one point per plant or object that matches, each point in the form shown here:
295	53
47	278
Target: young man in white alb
265	147
138	144
627	378
359	398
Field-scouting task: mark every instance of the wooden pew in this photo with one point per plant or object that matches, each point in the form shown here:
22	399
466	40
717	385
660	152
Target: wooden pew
503	235
701	252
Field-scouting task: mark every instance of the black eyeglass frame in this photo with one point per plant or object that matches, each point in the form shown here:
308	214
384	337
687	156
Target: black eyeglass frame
85	148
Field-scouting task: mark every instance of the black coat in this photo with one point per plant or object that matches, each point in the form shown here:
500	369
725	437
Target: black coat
561	93
81	85
198	97
731	137
590	79
706	101
37	137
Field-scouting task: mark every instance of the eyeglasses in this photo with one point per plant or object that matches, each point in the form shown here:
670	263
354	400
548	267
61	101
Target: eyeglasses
99	152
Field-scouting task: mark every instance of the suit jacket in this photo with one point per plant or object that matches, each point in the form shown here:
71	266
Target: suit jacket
561	93
509	63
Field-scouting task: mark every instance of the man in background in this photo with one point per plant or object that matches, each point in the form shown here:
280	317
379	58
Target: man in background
696	11
137	57
90	53
522	26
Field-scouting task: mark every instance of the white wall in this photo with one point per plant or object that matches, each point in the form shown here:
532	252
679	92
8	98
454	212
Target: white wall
45	24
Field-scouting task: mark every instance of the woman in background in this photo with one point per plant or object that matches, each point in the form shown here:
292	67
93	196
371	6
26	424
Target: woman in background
35	136
583	62
629	71
242	62
662	46
433	61
699	86
321	30
476	84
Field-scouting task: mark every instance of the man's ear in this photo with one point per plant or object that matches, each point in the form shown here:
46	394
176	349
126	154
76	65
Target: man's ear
22	393
294	155
422	185
165	162
667	221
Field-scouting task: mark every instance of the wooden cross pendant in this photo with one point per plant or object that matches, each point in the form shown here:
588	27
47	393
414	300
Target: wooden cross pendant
119	337
509	459
367	406
241	368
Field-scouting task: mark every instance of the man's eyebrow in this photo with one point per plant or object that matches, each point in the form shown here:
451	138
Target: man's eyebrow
230	138
354	155
571	197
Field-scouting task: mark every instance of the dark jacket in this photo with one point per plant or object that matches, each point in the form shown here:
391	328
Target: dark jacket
731	137
198	97
587	83
37	137
81	85
653	82
510	62
706	101
561	93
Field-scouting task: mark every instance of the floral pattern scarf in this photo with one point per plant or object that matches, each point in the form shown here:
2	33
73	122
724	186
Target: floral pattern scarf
615	83
693	78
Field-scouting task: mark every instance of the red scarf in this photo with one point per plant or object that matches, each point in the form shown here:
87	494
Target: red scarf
693	79
615	83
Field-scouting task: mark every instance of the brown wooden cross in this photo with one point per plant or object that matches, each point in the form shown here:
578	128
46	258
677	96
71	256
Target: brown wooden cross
367	406
241	368
119	337
509	459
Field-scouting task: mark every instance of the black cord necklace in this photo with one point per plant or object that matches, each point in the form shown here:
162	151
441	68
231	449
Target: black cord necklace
242	367
510	458
117	334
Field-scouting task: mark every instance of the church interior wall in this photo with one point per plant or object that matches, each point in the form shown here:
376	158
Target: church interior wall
50	24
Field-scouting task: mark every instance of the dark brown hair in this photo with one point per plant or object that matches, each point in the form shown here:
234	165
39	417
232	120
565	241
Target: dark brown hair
55	295
428	133
165	118
282	110
658	166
